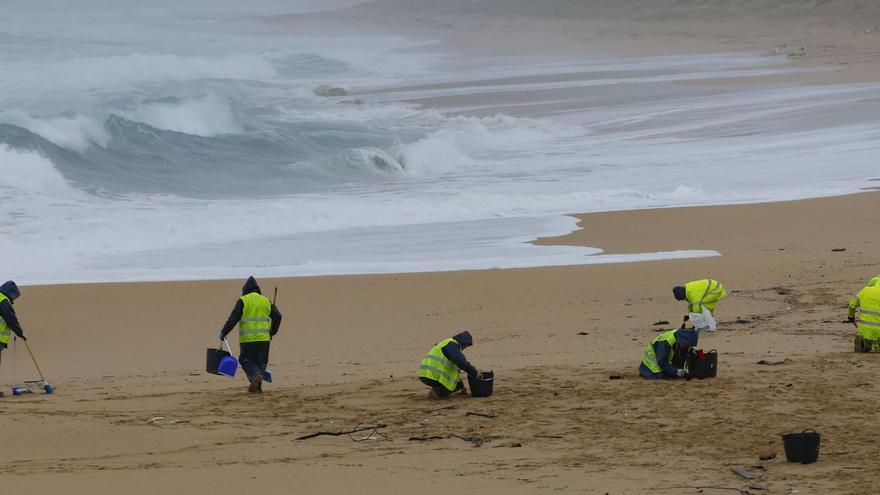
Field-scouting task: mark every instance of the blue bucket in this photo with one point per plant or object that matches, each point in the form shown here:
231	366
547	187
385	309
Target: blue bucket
228	365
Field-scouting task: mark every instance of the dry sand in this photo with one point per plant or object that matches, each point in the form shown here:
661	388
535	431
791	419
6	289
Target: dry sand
124	354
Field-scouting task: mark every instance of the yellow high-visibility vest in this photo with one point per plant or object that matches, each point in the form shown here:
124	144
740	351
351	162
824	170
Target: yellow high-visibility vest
706	292
255	323
650	357
867	301
4	328
436	367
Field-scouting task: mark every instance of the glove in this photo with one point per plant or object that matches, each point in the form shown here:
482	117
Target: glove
681	373
221	335
851	319
22	337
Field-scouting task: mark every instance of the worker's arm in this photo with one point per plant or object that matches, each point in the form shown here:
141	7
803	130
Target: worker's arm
452	351
275	315
854	303
8	314
234	318
662	350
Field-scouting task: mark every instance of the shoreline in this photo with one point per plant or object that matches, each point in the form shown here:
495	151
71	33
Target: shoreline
578	237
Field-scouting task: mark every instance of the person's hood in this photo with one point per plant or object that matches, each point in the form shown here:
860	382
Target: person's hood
679	292
10	290
250	285
464	339
687	337
874	281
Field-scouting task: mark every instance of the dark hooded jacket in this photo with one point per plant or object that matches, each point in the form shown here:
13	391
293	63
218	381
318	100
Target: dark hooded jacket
683	336
10	290
452	351
250	285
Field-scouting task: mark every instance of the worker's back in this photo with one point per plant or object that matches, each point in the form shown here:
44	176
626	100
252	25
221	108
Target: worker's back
869	312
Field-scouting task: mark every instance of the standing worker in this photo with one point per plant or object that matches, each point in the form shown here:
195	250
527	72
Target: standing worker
867	301
665	355
702	296
8	321
441	367
258	321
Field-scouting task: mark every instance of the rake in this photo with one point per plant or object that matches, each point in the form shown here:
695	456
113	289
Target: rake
43	383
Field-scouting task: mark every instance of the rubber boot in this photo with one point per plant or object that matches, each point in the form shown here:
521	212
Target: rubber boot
859	346
256	386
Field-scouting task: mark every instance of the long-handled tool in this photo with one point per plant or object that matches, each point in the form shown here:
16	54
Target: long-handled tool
267	375
15	389
46	387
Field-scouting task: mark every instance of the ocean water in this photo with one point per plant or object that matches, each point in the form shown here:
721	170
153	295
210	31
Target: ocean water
185	140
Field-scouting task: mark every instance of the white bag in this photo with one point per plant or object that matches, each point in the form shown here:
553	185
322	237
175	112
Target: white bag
703	322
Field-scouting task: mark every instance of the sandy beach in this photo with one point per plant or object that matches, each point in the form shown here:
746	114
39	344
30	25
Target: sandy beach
135	412
554	336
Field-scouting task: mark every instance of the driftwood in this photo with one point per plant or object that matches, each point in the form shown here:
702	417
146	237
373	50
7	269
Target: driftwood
764	362
441	409
342	432
708	487
489	414
477	441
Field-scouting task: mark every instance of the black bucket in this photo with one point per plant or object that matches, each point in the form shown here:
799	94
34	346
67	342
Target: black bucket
702	365
801	447
213	361
482	387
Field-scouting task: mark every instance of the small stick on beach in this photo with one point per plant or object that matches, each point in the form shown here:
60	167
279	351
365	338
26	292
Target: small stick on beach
340	433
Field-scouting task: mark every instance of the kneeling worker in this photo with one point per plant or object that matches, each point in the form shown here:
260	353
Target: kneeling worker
665	355
702	296
258	321
867	301
441	367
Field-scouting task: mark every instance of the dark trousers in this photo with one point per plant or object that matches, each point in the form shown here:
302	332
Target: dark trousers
254	357
438	387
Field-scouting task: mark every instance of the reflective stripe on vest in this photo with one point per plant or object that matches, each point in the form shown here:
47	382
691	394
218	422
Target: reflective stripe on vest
650	357
869	312
4	328
436	367
255	321
706	292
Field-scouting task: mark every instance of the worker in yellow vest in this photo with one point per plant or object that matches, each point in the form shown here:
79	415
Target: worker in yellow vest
8	320
664	356
441	367
258	321
702	296
867	302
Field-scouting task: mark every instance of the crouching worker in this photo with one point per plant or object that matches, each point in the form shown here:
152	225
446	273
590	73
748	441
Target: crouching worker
441	367
867	302
702	296
666	354
258	321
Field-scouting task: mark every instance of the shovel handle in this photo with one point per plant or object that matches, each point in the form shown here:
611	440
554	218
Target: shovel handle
227	346
34	360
